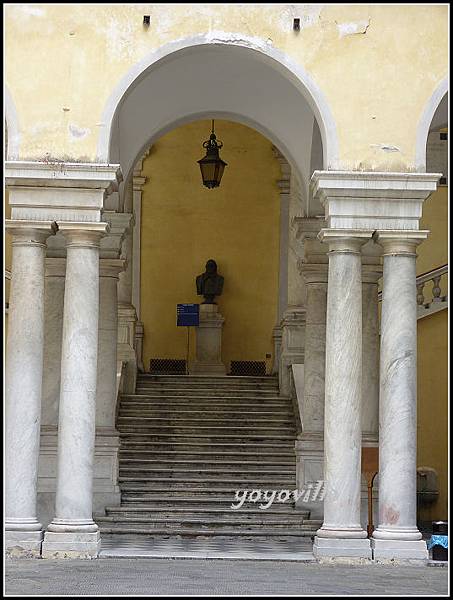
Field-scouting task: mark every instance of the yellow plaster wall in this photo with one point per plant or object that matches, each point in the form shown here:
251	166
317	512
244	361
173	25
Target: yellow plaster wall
432	344
184	224
376	65
433	252
432	406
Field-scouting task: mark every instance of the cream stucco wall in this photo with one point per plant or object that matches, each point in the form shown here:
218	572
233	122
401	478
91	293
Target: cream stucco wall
63	61
184	224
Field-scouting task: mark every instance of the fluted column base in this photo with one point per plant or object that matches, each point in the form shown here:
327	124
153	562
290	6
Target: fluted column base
394	549
335	547
71	539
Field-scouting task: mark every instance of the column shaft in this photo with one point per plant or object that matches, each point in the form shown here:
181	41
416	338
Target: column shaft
370	355
24	368
341	533
108	341
397	535
73	531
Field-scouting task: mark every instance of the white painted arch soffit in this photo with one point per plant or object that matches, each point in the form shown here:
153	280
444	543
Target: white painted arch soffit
222	76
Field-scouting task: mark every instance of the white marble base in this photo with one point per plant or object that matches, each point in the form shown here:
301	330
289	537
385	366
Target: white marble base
342	548
26	544
384	550
209	342
71	545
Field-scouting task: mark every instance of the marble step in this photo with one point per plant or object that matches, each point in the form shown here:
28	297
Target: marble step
202	457
208	468
189	464
157	510
204	417
222	484
205	407
208	395
131	495
203	445
262	534
277	519
186	500
132	423
218	523
211	439
208	378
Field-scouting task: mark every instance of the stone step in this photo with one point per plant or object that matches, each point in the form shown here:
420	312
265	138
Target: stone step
171	510
232	397
187	500
216	470
177	484
205	409
153	427
204	457
261	534
206	437
211	464
149	416
276	447
208	378
218	523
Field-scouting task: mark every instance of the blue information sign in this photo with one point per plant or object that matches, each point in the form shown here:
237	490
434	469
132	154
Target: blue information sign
187	315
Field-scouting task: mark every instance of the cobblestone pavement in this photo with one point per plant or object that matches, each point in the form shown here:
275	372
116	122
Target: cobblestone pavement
154	577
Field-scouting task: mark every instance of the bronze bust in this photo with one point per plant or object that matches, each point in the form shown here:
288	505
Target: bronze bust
209	283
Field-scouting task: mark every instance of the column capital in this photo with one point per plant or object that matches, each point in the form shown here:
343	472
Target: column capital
314	272
111	267
83	235
345	240
400	242
372	200
30	233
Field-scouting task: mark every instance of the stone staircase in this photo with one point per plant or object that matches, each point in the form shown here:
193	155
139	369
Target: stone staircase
188	443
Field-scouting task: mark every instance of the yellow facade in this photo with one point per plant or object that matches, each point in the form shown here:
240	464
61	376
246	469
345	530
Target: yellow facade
432	406
184	224
364	59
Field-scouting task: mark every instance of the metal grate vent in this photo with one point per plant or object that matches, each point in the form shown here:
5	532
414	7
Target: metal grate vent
248	367
167	366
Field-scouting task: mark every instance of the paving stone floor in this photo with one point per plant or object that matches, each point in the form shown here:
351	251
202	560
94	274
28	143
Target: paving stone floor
125	576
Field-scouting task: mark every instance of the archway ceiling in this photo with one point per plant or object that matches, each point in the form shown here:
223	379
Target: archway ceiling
215	82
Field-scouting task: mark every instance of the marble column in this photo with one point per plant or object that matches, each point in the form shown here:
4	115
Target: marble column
109	271
24	370
397	535
309	445
53	320
371	273
73	533
341	534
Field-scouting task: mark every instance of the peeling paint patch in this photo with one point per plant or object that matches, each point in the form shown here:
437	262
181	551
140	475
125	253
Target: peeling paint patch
32	11
386	147
78	132
353	28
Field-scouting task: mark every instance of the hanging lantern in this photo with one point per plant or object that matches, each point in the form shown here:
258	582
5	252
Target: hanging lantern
212	165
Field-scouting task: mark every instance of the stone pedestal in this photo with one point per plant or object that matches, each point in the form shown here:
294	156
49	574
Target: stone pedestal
209	342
